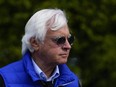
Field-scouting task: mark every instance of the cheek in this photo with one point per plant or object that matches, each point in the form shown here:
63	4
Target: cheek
52	53
49	51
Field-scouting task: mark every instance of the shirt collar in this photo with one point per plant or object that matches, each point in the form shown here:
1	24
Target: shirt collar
42	75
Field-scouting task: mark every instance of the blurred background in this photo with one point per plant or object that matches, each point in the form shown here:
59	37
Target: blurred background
93	22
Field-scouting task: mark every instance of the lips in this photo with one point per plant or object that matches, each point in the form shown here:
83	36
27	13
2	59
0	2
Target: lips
64	55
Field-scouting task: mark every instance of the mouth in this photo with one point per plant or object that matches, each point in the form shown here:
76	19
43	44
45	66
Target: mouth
64	55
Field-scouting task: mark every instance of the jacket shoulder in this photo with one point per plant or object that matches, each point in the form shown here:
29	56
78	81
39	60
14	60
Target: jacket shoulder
11	67
13	71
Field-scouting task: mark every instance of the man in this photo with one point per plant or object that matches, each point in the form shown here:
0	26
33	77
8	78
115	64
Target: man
45	48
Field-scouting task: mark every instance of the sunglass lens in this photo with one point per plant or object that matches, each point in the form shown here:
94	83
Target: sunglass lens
71	39
61	40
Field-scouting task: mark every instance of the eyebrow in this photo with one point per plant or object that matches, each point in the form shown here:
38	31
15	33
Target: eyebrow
59	35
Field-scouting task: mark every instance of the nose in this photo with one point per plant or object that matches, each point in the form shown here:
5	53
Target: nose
67	45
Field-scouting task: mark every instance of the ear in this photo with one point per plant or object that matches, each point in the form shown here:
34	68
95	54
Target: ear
34	43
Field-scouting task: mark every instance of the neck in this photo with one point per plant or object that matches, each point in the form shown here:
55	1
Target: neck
44	66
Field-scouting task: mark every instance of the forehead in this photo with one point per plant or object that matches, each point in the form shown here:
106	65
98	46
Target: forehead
63	31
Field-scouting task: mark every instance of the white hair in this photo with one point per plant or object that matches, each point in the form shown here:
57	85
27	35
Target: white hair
38	25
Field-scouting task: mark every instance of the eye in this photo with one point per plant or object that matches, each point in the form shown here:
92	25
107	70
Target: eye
61	40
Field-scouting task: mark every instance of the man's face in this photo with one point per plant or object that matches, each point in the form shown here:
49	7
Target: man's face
52	51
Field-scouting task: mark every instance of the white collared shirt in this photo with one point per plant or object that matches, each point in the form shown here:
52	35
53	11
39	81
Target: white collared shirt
43	76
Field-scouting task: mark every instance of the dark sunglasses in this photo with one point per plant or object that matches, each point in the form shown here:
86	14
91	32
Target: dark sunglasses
61	40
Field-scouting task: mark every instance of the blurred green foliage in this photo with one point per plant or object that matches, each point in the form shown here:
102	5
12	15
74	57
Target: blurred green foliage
93	23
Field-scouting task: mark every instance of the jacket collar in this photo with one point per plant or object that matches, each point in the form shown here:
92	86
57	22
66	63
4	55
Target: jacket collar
29	66
66	76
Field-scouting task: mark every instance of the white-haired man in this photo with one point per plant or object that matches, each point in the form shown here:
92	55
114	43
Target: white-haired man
46	46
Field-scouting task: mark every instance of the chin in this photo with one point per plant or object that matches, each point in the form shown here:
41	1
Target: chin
62	62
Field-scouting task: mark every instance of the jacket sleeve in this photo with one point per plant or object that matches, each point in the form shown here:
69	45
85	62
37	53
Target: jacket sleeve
2	84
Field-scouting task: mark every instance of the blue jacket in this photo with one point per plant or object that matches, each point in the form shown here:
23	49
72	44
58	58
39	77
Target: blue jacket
22	74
